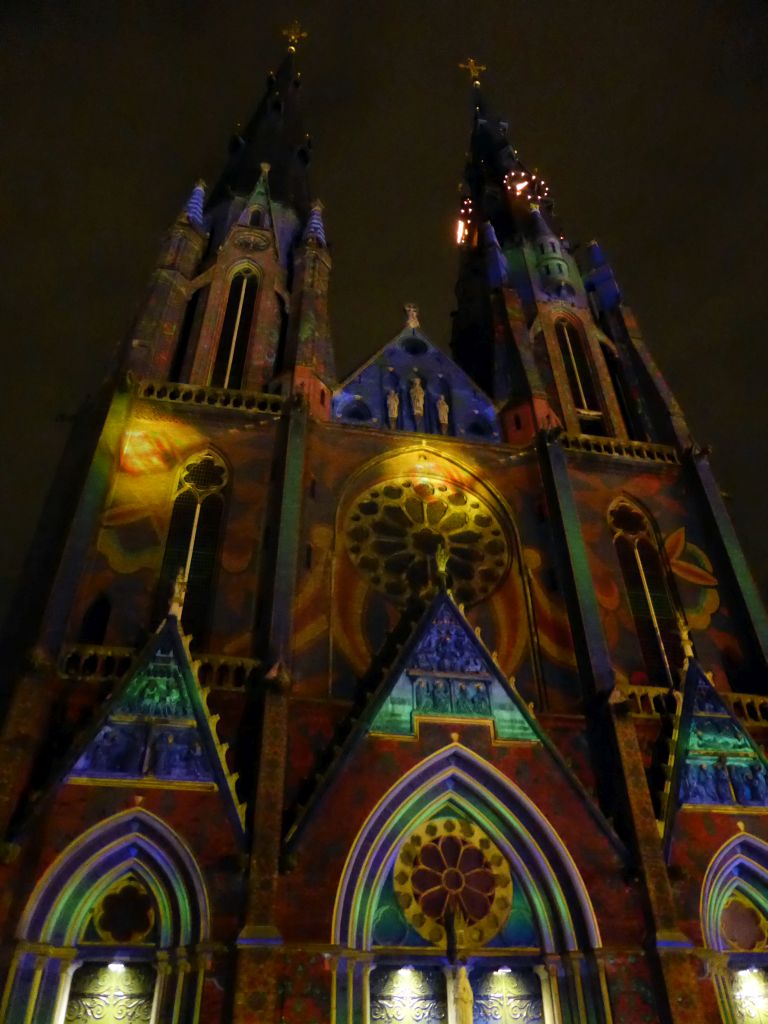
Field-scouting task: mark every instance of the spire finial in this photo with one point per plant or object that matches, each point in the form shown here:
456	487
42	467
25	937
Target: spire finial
294	34
475	69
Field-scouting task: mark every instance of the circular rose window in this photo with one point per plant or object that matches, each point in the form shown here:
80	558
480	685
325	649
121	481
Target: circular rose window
395	531
450	869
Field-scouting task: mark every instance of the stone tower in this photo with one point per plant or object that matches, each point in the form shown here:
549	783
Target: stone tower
432	694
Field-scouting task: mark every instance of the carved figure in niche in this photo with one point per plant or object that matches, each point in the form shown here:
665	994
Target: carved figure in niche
705	701
393	407
463	999
463	699
722	782
705	784
170	755
196	765
759	786
699	785
480	703
423	695
114	750
741	777
416	391
443	410
442	696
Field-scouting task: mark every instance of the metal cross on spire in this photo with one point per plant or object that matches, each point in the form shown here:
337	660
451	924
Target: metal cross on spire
474	68
294	34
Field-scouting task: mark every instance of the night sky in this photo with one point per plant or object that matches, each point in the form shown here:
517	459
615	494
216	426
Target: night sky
649	120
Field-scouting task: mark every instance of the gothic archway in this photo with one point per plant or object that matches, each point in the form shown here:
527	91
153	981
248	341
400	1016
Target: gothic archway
119	913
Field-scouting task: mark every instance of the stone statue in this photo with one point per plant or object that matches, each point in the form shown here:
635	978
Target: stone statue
411	316
393	406
722	782
443	409
463	999
416	392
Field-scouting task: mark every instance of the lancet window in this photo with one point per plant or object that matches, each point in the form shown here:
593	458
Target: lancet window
193	539
649	590
580	380
229	365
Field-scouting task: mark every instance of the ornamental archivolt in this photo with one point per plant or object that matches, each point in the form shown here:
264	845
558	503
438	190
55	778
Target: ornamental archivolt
449	870
398	531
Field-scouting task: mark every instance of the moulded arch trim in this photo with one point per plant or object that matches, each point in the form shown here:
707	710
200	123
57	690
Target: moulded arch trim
243	267
657	537
75	918
467	476
739	857
71	884
456	777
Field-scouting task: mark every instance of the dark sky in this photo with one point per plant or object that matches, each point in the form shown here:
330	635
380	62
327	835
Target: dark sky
648	118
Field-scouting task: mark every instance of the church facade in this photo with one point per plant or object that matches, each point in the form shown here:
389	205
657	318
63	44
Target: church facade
434	695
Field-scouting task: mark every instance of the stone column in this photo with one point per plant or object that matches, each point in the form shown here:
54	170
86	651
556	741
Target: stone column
34	988
66	971
182	969
9	983
163	970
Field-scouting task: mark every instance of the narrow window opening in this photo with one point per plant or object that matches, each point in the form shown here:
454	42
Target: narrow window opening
631	420
93	628
322	396
190	328
193	542
308	556
649	593
312	487
580	380
229	366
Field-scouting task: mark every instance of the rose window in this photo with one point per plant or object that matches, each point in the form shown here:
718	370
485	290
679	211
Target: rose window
450	870
397	532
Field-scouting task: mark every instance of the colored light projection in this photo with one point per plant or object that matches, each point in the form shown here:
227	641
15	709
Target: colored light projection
721	764
450	876
689	570
405	519
410	385
449	674
151	731
134	523
399	531
448	870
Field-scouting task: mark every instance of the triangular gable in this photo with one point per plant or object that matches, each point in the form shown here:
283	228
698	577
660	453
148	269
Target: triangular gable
157	731
382	393
448	673
716	762
442	638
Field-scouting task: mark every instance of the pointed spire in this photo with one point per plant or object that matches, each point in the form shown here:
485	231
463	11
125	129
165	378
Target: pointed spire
274	134
315	230
195	203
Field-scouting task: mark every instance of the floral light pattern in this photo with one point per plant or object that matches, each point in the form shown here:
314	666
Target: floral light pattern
449	868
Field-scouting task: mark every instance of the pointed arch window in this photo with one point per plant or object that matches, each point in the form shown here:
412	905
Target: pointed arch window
650	591
580	380
193	540
735	922
229	365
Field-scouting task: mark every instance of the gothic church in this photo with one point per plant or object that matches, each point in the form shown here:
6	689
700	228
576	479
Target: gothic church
433	695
